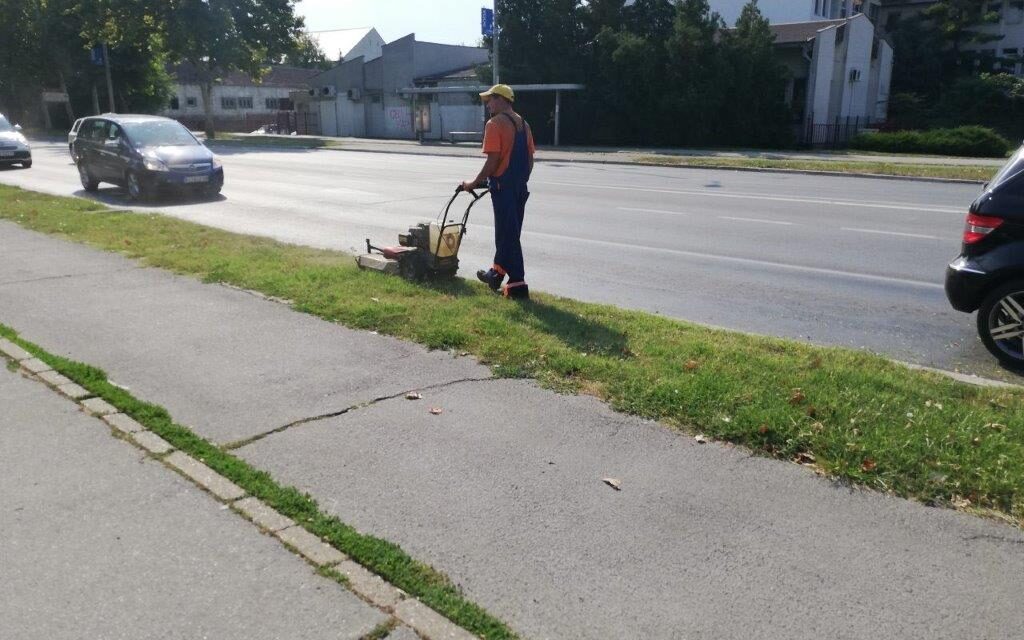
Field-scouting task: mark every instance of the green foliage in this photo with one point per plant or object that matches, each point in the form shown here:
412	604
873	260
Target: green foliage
990	100
657	72
306	53
970	141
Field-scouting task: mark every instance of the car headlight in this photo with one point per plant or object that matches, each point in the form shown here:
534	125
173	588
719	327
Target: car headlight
217	164
154	164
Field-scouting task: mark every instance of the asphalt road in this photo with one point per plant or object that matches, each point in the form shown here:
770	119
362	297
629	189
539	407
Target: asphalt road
838	261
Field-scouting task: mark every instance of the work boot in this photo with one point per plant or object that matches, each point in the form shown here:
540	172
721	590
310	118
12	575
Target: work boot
491	278
521	292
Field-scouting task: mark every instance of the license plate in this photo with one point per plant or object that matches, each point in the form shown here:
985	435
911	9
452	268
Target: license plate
6	154
196	179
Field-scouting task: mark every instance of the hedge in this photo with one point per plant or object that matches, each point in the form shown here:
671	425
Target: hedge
970	141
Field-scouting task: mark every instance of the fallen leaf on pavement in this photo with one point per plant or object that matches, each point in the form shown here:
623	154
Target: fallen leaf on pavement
437	411
414	396
701	439
614	483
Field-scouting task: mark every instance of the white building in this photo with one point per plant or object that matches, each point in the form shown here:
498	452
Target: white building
346	44
778	11
839	70
1005	53
239	103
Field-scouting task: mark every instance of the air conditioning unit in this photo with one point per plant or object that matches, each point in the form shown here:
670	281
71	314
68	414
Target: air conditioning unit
328	91
355	95
854	75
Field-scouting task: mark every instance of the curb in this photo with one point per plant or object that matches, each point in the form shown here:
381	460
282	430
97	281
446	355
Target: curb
402	608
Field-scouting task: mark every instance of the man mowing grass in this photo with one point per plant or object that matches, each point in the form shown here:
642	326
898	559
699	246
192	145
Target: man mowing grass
508	143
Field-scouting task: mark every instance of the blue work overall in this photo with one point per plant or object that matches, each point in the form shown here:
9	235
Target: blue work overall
509	194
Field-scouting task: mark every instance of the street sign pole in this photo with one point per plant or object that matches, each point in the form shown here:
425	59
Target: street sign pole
497	43
110	83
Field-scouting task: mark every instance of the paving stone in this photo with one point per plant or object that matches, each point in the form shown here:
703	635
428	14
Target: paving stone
53	378
370	586
205	477
314	549
152	442
429	623
35	365
123	423
98	407
403	633
12	350
73	391
263	515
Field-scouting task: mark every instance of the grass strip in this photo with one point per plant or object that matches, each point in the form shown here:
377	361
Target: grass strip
384	558
855	416
949	172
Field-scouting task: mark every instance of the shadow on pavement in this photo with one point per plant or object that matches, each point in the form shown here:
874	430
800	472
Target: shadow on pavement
118	197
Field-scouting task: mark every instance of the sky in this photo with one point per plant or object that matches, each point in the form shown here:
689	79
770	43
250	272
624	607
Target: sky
444	21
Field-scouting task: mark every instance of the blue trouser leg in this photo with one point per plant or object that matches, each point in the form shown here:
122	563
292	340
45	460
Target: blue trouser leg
509	210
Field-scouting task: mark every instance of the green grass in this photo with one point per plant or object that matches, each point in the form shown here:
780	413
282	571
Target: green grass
949	172
865	419
286	142
380	556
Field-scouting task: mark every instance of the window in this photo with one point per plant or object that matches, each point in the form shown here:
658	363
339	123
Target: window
873	12
96	130
229	103
273	104
245	103
175	105
191	102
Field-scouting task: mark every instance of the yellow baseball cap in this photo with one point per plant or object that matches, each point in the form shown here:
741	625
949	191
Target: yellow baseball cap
502	90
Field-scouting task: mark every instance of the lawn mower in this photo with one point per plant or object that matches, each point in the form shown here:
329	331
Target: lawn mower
428	250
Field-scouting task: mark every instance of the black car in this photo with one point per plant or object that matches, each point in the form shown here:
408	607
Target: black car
988	276
144	154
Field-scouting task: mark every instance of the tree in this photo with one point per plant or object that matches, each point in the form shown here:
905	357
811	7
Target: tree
220	36
959	24
307	54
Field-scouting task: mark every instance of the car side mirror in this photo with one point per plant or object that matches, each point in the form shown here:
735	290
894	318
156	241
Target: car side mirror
17	128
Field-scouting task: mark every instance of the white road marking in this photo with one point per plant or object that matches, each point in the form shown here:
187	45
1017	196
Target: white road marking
765	197
671	213
788	224
892	233
745	261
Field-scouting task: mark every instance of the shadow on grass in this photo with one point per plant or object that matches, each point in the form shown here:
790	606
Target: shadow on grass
578	332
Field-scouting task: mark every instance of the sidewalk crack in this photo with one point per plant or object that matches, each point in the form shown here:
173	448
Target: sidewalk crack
66	276
238	444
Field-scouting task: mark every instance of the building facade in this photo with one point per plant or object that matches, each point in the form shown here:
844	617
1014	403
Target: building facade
363	98
239	103
345	44
782	11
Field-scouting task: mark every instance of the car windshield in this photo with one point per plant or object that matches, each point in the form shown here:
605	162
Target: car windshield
1009	170
5	126
159	133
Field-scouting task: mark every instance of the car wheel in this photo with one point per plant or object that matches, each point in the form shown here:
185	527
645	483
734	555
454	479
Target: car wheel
211	192
1001	323
89	183
135	189
27	164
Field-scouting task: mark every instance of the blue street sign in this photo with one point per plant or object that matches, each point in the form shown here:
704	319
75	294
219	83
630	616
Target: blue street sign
487	22
96	55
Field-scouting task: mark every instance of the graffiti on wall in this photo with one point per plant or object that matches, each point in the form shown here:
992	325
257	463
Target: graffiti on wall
398	120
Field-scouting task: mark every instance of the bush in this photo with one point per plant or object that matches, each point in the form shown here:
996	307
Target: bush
971	141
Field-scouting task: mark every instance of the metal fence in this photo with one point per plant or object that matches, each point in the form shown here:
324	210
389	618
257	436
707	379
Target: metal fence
834	135
304	123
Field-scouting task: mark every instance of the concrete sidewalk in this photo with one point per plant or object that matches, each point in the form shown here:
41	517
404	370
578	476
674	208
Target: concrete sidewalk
97	540
503	491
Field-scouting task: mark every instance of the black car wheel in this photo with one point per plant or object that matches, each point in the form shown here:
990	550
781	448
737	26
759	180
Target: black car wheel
89	183
135	189
1001	323
27	164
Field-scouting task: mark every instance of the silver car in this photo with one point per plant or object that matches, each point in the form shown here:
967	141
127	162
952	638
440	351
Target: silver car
14	148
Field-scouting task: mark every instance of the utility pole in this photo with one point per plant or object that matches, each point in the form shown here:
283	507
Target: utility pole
110	83
497	40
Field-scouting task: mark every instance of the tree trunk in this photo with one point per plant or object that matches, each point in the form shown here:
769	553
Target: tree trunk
67	105
206	88
95	100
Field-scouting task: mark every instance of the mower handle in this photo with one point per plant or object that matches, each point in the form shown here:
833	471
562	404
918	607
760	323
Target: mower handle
483	185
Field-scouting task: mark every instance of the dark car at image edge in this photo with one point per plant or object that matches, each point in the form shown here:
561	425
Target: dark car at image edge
988	275
145	155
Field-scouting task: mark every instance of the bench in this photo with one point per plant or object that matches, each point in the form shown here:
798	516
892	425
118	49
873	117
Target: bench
465	136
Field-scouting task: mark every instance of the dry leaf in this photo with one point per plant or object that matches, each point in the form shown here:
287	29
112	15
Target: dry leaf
701	439
437	411
763	430
868	465
414	396
960	502
805	458
692	365
798	397
614	483
375	299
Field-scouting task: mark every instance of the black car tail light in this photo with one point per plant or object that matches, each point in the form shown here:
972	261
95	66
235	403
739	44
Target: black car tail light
978	227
